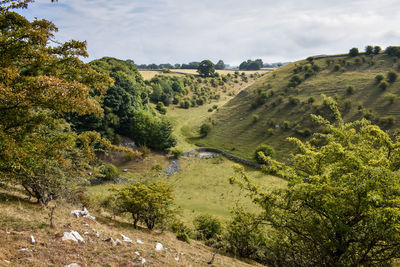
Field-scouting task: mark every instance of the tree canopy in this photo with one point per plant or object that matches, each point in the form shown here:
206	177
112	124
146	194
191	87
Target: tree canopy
206	68
342	204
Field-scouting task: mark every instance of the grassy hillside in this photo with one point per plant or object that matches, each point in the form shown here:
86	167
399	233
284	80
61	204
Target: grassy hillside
21	218
278	104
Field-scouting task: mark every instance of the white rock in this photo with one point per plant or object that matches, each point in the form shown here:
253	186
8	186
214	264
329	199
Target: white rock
137	253
159	246
7	232
82	213
142	260
73	265
125	238
125	170
118	242
6	261
86	233
97	234
32	239
140	242
73	236
177	258
111	240
25	249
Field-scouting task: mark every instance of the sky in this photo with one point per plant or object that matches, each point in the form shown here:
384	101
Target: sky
181	31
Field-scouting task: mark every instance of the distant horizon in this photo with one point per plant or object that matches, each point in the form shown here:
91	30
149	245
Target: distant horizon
234	31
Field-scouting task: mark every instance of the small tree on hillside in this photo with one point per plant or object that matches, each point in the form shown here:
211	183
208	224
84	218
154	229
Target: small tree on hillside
369	50
353	52
392	76
377	50
262	151
150	203
206	68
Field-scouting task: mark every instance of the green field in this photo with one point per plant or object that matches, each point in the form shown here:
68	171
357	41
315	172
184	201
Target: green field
235	130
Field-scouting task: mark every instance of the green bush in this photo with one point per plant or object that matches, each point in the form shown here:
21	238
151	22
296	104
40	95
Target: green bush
392	76
109	171
150	203
245	235
205	129
255	118
350	90
177	153
353	52
207	227
379	78
264	149
181	231
337	67
383	85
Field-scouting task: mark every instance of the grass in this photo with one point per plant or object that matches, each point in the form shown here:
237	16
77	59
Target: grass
149	74
21	218
225	72
233	127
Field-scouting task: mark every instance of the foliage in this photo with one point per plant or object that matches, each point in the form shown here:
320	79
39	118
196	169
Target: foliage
181	231
206	68
393	51
205	129
176	152
263	150
342	203
245	236
383	85
392	76
377	50
109	171
150	203
369	49
220	65
207	226
251	64
353	52
350	90
379	78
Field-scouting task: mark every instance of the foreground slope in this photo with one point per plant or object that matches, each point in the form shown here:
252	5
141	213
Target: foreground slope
279	104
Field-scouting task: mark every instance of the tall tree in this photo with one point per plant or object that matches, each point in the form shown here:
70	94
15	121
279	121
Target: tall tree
206	68
220	65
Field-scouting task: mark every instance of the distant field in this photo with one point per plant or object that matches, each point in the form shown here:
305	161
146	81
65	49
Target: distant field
202	186
149	74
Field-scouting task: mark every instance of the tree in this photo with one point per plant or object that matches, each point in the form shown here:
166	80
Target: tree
220	65
353	52
40	82
393	51
369	50
206	68
205	129
150	203
377	50
262	151
342	201
207	226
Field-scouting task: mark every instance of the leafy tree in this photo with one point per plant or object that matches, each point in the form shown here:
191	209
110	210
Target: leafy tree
150	203
40	82
353	52
220	65
369	49
261	151
377	50
251	64
206	68
342	201
207	226
393	51
205	129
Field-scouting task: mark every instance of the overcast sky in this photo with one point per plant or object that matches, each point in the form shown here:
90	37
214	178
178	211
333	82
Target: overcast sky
179	31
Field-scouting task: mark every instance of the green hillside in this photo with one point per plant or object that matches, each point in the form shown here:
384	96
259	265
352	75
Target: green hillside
278	104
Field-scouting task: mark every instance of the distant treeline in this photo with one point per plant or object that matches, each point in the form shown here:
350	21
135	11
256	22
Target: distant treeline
220	65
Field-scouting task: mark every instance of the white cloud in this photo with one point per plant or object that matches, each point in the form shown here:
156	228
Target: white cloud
179	31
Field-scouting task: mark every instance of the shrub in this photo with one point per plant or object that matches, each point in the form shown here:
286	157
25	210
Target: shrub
286	125
379	78
390	97
244	234
293	101
177	153
150	203
310	100
109	171
161	108
207	227
205	129
181	231
264	150
377	50
337	67
392	76
350	90
353	52
383	85
255	118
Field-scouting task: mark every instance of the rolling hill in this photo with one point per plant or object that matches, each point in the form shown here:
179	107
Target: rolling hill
279	104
